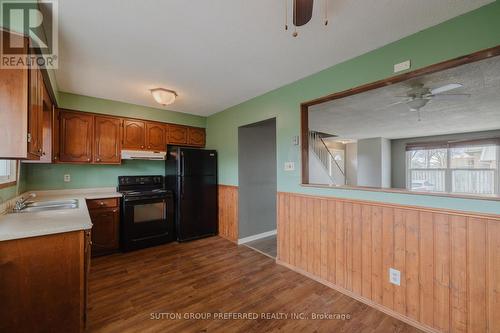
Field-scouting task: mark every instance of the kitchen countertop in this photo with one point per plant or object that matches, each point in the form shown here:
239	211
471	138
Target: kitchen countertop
24	225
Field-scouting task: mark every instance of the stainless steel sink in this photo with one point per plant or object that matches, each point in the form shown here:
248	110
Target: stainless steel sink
41	206
53	203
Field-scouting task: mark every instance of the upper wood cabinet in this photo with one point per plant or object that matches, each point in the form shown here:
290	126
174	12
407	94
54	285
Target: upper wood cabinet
196	136
155	136
177	135
134	134
107	140
35	114
76	137
21	108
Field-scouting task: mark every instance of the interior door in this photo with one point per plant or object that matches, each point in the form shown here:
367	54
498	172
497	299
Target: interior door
107	140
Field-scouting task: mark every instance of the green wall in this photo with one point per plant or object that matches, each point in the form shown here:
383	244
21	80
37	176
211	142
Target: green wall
462	35
50	176
106	106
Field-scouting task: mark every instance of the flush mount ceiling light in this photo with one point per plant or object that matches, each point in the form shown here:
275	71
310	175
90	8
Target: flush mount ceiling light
163	96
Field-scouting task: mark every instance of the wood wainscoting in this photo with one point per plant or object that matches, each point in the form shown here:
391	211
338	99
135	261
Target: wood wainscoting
449	261
228	212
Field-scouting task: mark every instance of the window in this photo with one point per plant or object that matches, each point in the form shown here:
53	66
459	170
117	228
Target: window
456	167
8	170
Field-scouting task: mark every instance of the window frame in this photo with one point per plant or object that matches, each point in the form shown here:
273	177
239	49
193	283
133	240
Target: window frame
448	171
12	179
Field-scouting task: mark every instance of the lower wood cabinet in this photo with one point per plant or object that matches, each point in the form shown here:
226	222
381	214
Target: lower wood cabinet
43	283
105	216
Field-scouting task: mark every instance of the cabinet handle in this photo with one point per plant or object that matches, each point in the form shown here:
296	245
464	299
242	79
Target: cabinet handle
88	159
115	210
98	160
142	147
101	203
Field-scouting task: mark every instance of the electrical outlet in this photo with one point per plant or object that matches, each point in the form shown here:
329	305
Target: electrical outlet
67	178
289	166
394	276
402	66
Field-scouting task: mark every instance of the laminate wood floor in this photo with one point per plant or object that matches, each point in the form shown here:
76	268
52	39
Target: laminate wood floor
214	276
268	246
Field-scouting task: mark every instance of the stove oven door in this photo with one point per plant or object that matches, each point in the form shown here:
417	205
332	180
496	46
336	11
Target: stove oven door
146	222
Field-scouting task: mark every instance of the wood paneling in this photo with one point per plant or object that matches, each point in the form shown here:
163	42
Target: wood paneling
449	261
228	212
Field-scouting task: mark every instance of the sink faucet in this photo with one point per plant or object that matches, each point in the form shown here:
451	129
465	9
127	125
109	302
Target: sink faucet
23	202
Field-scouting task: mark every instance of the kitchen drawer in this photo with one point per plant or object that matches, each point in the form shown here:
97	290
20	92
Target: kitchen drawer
103	203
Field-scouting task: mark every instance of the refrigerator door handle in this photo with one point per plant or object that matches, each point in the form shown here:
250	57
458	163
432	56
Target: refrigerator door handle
181	183
182	164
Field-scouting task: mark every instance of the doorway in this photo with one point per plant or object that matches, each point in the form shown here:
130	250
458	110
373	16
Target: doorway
257	186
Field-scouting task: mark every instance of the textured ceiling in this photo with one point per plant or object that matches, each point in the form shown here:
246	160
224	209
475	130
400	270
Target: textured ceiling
369	115
219	53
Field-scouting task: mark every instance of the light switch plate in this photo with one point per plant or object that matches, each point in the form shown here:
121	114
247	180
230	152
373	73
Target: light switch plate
67	178
289	166
295	140
394	276
402	66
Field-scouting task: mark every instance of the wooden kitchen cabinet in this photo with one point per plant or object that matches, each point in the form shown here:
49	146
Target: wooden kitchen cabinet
105	216
43	283
196	136
177	135
76	137
35	114
21	105
134	134
107	140
155	136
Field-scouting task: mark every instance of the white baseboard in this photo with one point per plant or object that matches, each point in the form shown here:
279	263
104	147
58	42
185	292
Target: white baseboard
255	237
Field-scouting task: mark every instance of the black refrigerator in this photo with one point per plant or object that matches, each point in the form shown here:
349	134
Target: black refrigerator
192	175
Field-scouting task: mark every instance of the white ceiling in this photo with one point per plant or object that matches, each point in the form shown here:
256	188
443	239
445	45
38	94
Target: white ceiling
370	114
219	53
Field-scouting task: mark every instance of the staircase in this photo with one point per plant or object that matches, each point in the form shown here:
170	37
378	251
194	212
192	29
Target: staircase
319	148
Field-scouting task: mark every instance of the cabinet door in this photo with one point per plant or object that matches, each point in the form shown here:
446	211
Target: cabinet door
155	136
34	115
196	136
177	135
134	134
107	140
105	224
76	137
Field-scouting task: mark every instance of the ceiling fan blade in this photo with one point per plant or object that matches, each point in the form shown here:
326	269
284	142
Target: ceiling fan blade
446	88
302	11
451	96
393	104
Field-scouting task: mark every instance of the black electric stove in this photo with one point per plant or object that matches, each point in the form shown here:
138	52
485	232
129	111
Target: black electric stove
147	212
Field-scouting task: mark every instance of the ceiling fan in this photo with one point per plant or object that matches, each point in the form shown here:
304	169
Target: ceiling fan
419	95
302	13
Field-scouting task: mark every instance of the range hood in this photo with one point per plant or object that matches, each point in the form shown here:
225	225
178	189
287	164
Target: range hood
143	155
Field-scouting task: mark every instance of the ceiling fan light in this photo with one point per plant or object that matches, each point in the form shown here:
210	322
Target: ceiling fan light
163	96
417	103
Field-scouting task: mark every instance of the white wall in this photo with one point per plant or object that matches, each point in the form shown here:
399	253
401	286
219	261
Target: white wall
351	164
374	162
